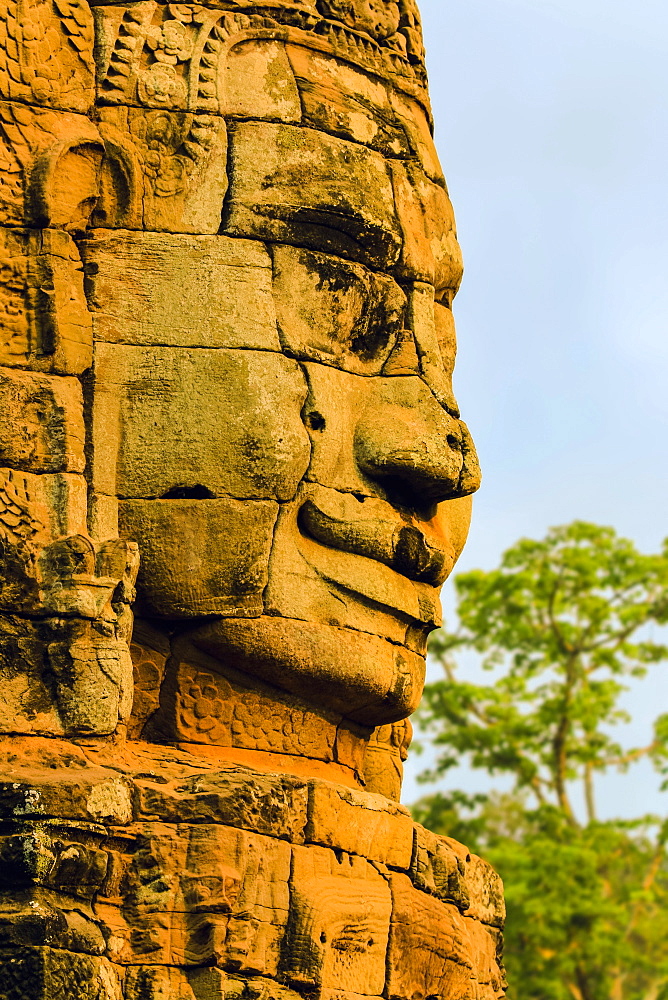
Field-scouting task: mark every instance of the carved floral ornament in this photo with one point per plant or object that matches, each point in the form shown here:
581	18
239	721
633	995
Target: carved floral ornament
46	52
169	56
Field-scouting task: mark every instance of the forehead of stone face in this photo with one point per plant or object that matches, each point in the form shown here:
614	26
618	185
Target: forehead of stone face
347	166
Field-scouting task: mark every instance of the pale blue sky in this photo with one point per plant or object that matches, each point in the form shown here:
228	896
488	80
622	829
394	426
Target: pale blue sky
552	125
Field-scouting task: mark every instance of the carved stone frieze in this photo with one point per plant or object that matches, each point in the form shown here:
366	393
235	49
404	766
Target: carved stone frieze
174	56
46	53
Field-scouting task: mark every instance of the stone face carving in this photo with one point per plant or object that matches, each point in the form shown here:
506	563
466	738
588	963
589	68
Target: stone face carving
233	478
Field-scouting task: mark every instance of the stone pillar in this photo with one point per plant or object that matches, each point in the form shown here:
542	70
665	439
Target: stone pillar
233	478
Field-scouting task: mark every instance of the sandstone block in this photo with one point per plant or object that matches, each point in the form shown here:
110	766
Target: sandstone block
43	918
296	185
438	869
366	431
41	423
90	795
437	938
52	974
204	701
45	322
35	510
343	589
93	681
339	922
341	99
156	289
370	826
203	893
200	557
336	312
272	805
485	890
430	252
258	82
50	161
78	686
49	57
147	982
167	421
436	342
163	170
414	120
383	765
28	700
60	858
363	677
148	669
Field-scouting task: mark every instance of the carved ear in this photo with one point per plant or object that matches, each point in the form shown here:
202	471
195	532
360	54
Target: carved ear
64	186
121	183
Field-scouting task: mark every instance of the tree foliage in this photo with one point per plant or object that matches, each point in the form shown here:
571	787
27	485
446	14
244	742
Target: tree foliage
560	626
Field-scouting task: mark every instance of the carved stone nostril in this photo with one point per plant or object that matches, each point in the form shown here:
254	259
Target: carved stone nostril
454	442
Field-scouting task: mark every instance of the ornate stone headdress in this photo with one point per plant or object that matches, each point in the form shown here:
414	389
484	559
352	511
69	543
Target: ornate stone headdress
168	56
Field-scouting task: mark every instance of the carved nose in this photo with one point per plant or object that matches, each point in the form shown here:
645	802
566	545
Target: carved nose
419	457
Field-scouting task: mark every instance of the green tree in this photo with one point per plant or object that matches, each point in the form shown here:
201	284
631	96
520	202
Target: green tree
560	626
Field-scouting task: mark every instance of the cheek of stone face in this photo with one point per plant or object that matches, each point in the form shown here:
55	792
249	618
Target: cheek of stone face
200	447
197	424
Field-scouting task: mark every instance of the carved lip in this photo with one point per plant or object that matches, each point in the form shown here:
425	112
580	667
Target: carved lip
340	521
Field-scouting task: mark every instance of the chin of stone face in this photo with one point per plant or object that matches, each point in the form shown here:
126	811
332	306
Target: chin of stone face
233	479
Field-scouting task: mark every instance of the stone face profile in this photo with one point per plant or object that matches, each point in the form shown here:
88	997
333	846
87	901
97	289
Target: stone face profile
233	478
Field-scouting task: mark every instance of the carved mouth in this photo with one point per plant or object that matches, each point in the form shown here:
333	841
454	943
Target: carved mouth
342	522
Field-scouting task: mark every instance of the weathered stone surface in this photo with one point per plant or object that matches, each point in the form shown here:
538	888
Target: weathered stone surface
81	794
368	679
163	171
49	163
340	99
201	557
370	826
339	923
383	765
335	311
50	974
45	323
180	291
413	117
258	82
272	805
204	702
445	960
229	421
50	435
485	890
193	894
299	186
48	54
430	250
442	868
148	671
389	429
